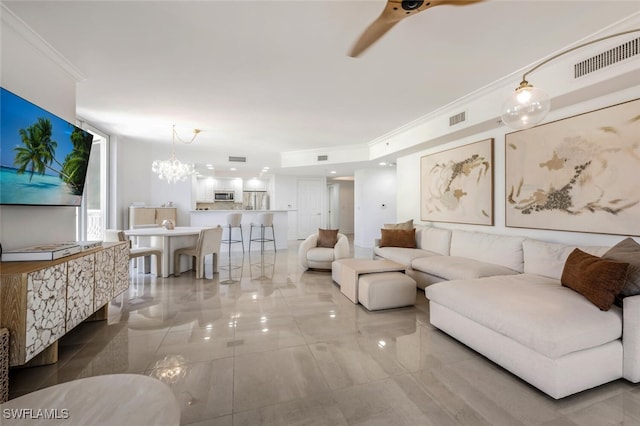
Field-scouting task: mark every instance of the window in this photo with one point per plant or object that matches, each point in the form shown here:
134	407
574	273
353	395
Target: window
92	215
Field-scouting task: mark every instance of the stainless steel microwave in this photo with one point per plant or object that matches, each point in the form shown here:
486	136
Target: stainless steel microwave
223	195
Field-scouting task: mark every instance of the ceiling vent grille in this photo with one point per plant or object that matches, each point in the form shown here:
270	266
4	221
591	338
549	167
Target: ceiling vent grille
233	159
323	157
609	57
458	118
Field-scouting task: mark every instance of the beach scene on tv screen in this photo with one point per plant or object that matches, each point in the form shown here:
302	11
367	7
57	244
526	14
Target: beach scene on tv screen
43	158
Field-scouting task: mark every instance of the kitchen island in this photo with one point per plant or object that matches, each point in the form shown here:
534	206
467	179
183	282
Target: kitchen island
219	217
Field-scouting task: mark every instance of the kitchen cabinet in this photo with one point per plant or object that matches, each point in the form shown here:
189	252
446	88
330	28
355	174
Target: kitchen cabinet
256	185
237	191
204	190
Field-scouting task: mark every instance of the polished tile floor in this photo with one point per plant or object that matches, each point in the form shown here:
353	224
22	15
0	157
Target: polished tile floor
264	343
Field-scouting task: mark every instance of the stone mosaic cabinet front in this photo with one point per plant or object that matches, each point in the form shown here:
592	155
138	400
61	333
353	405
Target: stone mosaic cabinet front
40	301
46	308
80	288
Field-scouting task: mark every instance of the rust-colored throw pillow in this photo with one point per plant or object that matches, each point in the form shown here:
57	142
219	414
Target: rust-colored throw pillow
327	238
398	238
627	251
597	279
402	225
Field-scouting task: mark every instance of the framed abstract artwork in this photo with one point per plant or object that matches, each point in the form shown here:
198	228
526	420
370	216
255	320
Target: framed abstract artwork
457	185
577	174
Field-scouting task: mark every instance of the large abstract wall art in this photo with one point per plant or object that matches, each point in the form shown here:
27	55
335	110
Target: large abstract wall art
577	174
457	185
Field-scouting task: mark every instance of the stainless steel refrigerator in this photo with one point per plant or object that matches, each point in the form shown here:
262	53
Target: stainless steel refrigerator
255	200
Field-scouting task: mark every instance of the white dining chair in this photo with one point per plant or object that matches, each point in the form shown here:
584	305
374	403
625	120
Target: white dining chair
113	235
209	241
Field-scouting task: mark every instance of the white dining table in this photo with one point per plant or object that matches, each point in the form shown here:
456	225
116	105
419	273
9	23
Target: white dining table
167	240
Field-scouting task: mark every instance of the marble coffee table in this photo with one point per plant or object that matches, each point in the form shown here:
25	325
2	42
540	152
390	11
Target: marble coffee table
112	399
347	271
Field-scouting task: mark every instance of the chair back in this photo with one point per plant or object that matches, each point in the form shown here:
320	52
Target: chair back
209	241
265	219
234	219
114	235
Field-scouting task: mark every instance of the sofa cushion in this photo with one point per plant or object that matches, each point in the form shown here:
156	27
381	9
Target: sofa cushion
548	259
436	240
401	255
597	279
458	268
533	310
501	250
402	225
627	251
320	254
398	238
327	238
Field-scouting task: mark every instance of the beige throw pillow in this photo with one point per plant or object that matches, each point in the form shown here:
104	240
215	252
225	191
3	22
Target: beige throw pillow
402	225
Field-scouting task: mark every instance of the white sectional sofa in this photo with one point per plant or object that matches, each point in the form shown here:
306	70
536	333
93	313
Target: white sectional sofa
507	303
443	255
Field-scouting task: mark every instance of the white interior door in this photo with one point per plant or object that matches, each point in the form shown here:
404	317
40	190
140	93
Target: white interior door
310	200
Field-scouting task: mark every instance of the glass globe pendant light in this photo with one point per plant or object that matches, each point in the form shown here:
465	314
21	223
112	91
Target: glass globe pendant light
526	107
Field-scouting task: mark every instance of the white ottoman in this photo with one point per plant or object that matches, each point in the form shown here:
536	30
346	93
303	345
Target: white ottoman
386	290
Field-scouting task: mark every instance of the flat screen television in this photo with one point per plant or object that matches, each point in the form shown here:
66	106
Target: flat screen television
43	158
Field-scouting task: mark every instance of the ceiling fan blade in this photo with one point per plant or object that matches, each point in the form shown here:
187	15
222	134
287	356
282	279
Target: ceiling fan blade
393	12
377	29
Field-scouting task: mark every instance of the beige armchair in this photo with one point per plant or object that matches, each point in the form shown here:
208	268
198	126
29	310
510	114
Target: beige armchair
209	242
312	257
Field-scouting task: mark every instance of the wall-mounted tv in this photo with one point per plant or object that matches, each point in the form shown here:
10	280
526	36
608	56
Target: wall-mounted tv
43	158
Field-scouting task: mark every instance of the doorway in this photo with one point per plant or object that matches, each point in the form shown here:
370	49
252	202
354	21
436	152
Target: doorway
333	201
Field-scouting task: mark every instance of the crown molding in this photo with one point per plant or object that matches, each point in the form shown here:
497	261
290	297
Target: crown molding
496	86
11	20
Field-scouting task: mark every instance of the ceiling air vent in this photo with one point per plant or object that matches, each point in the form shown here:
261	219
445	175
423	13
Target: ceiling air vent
609	57
233	159
323	157
458	118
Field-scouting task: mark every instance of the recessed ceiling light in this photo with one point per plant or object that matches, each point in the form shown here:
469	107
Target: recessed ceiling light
233	169
383	163
333	172
265	168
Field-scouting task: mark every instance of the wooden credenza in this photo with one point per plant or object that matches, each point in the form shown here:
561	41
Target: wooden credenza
41	301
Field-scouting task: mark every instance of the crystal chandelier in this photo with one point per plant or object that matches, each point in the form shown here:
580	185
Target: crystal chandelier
173	169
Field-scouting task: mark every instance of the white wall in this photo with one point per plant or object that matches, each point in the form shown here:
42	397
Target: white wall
408	177
375	195
37	77
285	197
137	183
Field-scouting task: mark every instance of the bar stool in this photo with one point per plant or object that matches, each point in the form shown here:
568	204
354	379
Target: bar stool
265	220
234	221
